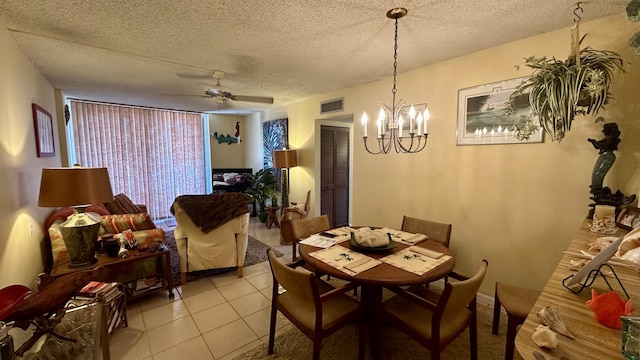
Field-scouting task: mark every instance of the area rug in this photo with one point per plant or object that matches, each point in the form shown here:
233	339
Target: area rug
256	253
395	345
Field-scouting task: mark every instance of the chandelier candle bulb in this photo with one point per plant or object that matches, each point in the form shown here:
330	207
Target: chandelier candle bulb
364	123
419	124
426	117
400	123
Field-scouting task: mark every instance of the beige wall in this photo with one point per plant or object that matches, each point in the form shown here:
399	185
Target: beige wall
519	205
21	84
225	155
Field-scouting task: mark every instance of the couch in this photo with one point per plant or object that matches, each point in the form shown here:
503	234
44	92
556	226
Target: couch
211	231
115	217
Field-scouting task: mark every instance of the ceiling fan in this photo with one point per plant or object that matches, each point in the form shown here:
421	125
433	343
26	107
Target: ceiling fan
221	93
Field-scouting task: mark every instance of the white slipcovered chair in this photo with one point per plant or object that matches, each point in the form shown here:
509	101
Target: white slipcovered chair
223	247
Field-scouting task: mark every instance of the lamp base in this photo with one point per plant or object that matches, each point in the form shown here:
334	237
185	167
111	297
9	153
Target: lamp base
80	242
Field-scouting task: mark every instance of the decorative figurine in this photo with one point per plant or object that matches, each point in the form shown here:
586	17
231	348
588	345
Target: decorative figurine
606	147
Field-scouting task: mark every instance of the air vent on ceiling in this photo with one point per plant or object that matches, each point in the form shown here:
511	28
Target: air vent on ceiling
332	106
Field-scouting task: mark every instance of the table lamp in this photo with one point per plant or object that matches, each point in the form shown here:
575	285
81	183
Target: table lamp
285	159
79	188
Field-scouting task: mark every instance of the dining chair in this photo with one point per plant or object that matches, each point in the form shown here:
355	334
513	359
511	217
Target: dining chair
517	301
434	230
303	228
436	319
313	306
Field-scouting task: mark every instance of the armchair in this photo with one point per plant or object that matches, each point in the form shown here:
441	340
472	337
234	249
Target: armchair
296	212
224	246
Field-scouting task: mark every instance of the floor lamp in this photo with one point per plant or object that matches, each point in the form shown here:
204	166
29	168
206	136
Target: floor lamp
285	159
77	187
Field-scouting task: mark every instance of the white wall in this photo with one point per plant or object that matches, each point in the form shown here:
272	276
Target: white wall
517	206
20	169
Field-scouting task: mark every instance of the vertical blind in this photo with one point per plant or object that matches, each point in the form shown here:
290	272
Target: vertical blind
152	155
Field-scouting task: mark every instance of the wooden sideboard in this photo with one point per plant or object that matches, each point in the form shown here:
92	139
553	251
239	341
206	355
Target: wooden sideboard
592	340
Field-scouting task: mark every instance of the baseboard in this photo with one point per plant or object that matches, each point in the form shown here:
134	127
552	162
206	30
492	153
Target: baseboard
481	299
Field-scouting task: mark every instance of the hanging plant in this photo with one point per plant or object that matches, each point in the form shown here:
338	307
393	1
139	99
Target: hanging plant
560	90
633	12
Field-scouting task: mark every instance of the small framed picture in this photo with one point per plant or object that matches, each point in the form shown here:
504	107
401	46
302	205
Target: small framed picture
629	218
43	124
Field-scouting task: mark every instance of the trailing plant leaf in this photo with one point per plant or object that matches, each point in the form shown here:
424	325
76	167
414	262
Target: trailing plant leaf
633	10
559	90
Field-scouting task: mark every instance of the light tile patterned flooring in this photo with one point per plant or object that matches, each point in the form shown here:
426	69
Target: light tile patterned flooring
214	318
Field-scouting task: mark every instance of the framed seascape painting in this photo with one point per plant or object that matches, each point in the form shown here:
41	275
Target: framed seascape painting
483	118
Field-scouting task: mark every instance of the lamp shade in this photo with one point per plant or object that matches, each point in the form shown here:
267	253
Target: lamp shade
284	159
74	186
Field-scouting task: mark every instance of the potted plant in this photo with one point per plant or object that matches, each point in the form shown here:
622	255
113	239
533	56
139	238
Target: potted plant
263	186
560	90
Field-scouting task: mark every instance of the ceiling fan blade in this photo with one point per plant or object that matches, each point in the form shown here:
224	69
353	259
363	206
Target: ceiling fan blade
259	99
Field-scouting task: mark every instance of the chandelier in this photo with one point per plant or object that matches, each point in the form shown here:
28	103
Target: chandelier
391	126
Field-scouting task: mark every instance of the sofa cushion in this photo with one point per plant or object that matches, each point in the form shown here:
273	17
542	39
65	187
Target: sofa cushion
121	204
116	224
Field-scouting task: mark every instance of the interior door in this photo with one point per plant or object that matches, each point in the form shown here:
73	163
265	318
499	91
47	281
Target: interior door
334	174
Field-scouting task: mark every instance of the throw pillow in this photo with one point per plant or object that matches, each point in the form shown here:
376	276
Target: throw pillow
116	224
121	204
58	250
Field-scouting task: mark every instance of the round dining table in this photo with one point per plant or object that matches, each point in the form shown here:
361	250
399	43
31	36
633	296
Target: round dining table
372	281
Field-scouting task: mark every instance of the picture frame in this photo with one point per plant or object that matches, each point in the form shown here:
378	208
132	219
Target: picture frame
628	218
404	112
482	114
43	125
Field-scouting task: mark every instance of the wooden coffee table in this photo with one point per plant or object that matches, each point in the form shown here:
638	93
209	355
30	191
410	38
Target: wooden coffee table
131	270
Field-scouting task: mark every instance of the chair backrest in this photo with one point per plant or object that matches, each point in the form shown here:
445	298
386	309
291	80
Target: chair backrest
459	294
301	229
300	285
307	202
434	230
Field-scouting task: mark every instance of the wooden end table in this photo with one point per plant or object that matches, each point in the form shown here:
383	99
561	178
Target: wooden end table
272	214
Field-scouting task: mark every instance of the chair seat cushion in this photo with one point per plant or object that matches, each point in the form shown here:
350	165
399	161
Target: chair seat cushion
419	318
332	310
516	300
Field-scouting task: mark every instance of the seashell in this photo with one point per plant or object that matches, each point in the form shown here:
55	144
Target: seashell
632	255
549	316
631	241
544	337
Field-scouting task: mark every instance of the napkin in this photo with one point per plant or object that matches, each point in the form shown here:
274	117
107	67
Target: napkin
371	238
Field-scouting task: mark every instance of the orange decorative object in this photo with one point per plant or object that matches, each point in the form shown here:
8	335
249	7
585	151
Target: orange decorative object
608	308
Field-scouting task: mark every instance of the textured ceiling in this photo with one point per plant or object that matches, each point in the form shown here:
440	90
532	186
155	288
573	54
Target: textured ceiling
153	53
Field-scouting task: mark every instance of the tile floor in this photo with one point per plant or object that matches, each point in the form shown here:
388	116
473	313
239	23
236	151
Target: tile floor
214	318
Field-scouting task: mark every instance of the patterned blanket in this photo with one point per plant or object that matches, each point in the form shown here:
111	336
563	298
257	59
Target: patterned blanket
210	211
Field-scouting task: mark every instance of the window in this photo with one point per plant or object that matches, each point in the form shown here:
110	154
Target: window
152	155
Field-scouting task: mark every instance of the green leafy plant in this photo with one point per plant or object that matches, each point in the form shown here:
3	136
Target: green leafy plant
263	186
560	90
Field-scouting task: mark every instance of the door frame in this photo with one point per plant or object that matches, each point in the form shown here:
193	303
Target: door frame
337	121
